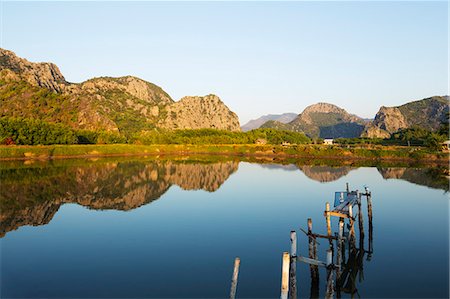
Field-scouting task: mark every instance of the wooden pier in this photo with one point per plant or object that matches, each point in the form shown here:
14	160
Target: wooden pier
341	272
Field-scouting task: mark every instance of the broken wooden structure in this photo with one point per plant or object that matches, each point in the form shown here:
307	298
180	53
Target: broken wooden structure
341	270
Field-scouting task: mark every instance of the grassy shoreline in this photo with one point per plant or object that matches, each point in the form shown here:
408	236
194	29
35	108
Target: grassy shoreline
377	153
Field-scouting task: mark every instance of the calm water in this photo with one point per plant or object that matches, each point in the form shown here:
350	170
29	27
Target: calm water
172	228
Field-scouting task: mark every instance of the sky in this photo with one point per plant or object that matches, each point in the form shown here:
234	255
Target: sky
258	57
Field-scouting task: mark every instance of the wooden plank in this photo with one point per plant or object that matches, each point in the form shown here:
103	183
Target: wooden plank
337	214
310	261
323	236
285	276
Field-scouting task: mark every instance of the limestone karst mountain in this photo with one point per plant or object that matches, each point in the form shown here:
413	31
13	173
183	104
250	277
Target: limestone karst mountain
427	113
32	196
125	104
323	120
256	123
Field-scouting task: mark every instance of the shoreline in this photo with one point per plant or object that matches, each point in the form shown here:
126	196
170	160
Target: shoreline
394	154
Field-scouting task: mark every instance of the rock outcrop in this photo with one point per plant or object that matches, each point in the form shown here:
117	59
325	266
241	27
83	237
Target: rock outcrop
125	104
42	74
200	112
323	120
427	114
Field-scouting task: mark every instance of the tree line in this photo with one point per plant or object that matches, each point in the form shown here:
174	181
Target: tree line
25	131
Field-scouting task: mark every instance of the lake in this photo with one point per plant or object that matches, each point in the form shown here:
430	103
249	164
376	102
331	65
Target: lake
172	227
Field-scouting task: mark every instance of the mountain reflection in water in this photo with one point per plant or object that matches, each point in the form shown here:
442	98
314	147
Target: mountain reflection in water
32	195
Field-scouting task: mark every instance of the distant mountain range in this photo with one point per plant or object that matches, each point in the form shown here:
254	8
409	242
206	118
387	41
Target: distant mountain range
129	105
256	123
326	120
125	104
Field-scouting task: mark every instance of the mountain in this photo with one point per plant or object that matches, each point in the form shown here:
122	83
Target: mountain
427	113
256	123
125	104
323	120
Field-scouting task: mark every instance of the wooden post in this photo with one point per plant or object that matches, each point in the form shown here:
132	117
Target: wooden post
234	278
285	276
352	228
330	287
329	257
369	212
339	248
348	190
314	270
293	267
361	223
327	212
339	257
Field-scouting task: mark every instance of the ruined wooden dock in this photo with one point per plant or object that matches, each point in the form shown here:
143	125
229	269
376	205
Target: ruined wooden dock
341	269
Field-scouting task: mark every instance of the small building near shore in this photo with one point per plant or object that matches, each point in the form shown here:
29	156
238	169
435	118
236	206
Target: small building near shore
328	141
446	145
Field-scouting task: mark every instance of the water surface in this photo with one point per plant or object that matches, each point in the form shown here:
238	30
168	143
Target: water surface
172	227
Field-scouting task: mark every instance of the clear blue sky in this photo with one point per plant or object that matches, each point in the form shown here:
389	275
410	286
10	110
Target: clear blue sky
259	57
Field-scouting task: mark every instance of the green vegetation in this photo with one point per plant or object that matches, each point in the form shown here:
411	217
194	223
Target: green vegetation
213	136
23	131
427	113
405	137
34	131
20	99
271	152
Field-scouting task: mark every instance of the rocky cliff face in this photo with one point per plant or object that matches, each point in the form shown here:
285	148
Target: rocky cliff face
38	74
200	112
323	120
427	114
126	104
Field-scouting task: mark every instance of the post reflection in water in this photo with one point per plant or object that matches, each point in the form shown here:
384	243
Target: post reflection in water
249	206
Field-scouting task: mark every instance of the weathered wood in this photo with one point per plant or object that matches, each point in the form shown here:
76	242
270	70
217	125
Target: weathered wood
330	285
285	276
360	224
310	261
369	212
337	214
322	236
234	278
329	257
339	247
293	267
352	228
339	257
327	211
313	268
